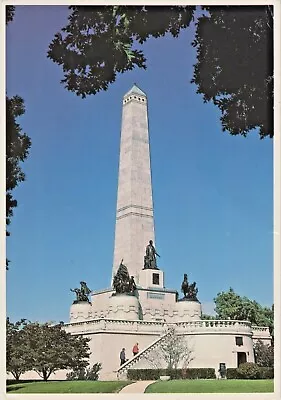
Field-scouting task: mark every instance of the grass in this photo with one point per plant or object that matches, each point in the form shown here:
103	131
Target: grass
212	386
68	387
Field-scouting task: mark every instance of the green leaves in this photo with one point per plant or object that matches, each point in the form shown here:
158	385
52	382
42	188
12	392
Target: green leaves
17	144
10	13
16	350
44	349
234	66
99	42
230	305
17	150
85	374
264	354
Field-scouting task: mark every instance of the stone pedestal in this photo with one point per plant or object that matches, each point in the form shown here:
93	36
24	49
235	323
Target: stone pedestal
188	310
151	278
80	311
123	306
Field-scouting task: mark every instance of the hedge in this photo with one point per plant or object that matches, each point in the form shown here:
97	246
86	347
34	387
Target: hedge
266	372
263	373
231	373
154	374
198	373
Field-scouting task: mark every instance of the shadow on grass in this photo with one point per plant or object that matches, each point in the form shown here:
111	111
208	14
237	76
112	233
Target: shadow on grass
13	388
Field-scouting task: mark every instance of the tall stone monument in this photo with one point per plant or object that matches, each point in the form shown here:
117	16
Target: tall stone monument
134	215
143	310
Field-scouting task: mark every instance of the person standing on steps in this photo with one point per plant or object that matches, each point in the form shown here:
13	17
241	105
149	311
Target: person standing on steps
135	349
122	356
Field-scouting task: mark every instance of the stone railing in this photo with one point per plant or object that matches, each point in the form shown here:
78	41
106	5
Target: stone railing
122	371
116	325
260	332
214	326
158	327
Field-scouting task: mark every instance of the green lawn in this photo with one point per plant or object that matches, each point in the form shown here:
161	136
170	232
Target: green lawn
212	386
68	387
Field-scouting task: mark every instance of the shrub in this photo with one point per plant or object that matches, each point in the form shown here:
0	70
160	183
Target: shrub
200	373
76	375
144	374
231	373
92	374
266	373
249	370
263	373
188	373
85	374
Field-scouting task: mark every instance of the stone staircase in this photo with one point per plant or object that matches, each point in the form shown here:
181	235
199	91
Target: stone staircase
122	371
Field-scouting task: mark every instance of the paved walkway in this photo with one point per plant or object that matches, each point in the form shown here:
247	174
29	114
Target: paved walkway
137	387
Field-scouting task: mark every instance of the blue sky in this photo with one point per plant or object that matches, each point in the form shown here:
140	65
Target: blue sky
213	193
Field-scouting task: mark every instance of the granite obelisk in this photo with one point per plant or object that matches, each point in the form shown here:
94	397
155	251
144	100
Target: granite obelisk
134	215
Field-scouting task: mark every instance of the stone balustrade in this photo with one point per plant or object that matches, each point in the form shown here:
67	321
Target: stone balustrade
158	327
260	329
213	326
105	324
261	332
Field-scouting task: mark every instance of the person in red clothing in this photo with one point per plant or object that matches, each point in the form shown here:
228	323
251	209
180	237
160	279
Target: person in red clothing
135	349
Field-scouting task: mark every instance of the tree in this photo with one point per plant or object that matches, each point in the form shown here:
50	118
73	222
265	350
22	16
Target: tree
173	351
10	12
100	42
234	66
208	317
51	349
17	144
16	350
17	149
230	305
264	354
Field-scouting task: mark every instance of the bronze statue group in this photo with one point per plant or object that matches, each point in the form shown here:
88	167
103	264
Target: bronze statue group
123	283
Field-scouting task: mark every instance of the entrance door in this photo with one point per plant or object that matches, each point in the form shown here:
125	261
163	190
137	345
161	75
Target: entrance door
241	358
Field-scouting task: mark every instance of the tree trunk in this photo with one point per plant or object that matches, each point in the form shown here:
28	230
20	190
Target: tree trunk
45	375
16	375
49	373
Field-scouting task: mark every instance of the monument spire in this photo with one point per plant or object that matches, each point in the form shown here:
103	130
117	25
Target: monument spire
134	215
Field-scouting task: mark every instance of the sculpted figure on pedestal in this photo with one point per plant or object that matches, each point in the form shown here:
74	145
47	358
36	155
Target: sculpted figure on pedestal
82	293
150	256
122	282
189	291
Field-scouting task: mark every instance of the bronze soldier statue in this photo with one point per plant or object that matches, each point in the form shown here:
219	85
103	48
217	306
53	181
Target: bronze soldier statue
184	286
122	282
83	293
190	291
132	284
150	256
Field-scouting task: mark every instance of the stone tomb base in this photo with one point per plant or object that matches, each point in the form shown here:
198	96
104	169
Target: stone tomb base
212	342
